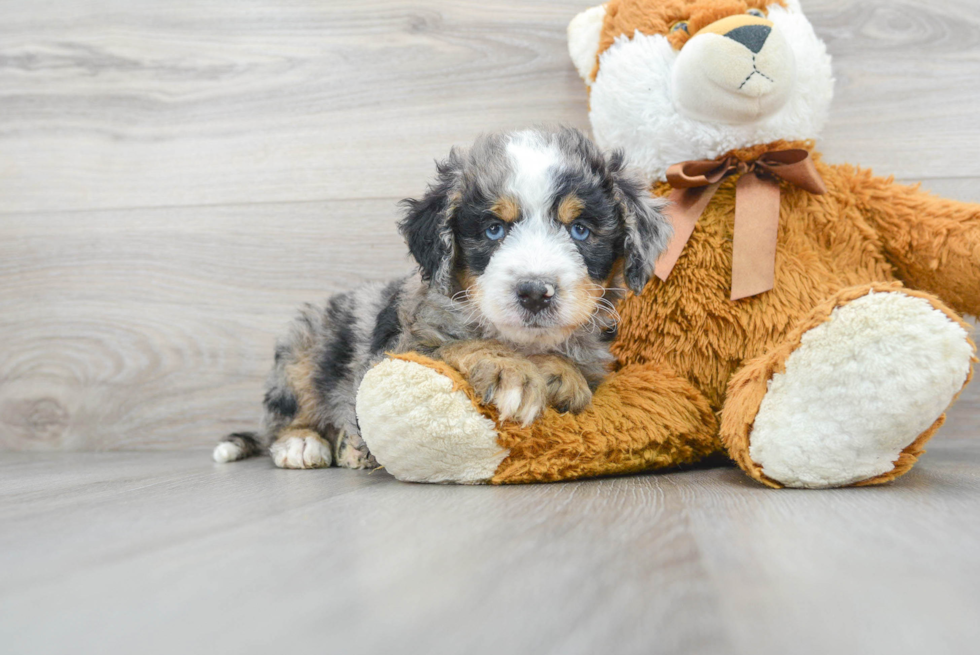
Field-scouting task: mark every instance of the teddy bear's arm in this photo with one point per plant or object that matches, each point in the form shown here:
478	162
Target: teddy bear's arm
424	423
641	418
933	242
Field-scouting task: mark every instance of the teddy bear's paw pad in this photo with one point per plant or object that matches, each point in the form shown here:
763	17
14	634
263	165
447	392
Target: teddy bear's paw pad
300	449
858	390
421	430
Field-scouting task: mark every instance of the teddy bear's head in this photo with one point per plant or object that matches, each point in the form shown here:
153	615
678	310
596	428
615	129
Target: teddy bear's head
673	80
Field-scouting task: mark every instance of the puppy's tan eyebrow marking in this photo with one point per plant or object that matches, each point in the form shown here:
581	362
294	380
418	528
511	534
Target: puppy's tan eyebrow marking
506	209
569	208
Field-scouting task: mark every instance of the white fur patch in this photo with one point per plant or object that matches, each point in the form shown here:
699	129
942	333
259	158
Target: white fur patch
533	163
859	389
508	401
226	452
633	105
421	430
300	453
536	248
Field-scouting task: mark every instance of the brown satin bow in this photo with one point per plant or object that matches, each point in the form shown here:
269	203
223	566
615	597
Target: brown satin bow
756	210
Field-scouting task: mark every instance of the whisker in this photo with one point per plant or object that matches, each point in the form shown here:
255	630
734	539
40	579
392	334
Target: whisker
607	311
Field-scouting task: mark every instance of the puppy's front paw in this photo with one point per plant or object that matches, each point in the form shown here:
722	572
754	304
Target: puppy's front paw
568	390
300	449
513	384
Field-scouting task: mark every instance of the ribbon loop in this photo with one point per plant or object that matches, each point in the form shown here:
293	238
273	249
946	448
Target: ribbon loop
794	166
756	210
698	173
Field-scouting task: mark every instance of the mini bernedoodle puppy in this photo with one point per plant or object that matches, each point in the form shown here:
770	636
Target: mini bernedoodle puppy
522	243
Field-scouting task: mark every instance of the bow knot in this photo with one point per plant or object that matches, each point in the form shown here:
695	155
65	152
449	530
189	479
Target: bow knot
756	210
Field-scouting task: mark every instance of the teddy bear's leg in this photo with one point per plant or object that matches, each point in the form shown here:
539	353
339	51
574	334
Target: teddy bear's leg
853	394
423	423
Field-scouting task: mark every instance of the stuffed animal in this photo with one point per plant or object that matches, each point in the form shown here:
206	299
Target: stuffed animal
805	318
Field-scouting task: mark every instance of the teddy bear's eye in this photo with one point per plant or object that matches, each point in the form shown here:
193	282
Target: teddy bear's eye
679	25
756	12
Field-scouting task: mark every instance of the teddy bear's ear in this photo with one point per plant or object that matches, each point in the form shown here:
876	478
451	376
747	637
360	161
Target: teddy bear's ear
583	40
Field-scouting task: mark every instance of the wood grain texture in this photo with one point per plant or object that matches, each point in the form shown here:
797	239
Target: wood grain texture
168	553
118	104
155	328
175	178
264	101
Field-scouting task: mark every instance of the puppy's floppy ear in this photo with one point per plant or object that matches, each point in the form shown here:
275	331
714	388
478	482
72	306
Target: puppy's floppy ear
427	226
647	230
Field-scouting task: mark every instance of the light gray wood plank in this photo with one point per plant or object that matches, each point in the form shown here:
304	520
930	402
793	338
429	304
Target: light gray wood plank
871	570
112	103
116	104
905	99
965	189
155	328
963	419
174	554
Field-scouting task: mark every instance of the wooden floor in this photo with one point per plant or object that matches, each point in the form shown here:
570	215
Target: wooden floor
168	553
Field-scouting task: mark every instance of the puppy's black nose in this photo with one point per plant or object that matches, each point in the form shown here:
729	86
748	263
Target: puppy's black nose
752	37
535	295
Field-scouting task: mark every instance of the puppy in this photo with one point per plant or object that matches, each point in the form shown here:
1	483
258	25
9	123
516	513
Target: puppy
522	244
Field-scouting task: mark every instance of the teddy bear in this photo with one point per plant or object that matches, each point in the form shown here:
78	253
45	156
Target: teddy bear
805	319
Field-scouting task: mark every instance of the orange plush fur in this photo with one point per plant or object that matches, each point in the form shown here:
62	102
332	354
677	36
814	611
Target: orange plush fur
624	18
686	333
694	366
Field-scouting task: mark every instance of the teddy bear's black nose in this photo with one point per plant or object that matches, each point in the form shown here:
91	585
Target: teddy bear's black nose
752	37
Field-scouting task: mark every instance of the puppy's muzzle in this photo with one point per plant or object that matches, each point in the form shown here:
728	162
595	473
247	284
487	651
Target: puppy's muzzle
535	295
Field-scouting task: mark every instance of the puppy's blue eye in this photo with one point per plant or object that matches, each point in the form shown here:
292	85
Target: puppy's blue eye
495	232
580	232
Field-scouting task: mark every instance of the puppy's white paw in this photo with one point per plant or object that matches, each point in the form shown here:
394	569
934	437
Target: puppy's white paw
227	452
508	401
514	385
301	452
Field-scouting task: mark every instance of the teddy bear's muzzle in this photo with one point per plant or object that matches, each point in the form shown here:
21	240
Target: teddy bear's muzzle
736	70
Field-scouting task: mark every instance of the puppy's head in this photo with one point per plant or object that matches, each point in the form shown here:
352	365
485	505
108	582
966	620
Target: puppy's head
532	230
